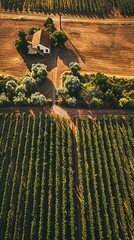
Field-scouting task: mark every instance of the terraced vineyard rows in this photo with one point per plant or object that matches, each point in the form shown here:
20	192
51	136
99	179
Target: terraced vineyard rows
89	7
58	182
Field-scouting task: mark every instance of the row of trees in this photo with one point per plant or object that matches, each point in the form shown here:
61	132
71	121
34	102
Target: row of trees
26	93
45	187
95	90
93	7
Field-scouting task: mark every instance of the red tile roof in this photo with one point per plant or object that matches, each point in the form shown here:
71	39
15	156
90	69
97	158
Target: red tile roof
41	37
29	38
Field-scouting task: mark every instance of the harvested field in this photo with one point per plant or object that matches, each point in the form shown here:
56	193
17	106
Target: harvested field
106	46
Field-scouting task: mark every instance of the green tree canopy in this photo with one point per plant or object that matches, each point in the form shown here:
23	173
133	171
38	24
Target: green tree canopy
38	99
75	68
10	89
21	43
30	84
72	83
39	72
58	38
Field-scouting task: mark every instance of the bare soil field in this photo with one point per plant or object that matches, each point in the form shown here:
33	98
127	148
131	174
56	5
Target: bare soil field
98	45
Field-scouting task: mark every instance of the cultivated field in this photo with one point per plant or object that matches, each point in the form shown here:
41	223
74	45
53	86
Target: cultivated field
59	182
98	45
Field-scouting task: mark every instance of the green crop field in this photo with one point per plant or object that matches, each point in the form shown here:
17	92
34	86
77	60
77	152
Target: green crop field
86	7
62	180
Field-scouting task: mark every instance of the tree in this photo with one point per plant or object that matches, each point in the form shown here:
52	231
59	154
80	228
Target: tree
58	38
21	43
63	92
39	72
20	100
75	68
49	25
72	83
38	99
21	89
10	89
30	84
71	102
48	21
96	103
4	100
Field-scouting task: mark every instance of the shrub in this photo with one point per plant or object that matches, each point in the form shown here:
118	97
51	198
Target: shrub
58	38
101	81
71	102
30	84
72	83
38	99
62	91
2	85
96	103
126	102
4	100
39	72
21	89
10	89
109	95
20	100
75	68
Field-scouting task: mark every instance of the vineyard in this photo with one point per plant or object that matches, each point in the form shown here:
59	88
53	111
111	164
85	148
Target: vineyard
86	7
60	180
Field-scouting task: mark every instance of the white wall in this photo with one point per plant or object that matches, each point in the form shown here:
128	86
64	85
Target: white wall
43	48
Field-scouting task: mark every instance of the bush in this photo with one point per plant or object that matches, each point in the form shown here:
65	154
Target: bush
73	85
38	99
75	68
39	72
96	103
2	85
126	102
109	95
30	84
71	102
21	89
58	38
62	91
4	100
10	89
20	100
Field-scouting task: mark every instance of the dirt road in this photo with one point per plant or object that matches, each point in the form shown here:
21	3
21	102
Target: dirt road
65	18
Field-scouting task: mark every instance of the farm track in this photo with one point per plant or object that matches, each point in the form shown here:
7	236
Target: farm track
68	112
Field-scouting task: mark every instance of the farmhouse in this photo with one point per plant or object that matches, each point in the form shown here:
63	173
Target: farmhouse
39	42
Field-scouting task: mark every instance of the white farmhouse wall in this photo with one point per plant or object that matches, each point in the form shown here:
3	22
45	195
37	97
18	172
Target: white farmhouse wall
43	48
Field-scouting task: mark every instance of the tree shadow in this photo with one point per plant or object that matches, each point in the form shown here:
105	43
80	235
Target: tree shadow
49	60
67	55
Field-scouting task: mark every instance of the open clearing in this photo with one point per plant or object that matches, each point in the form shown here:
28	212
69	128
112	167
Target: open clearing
98	45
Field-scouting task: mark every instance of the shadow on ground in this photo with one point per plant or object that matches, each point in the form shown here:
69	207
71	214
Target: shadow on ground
67	55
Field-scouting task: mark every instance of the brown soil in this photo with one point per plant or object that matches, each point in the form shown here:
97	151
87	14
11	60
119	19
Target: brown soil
98	45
